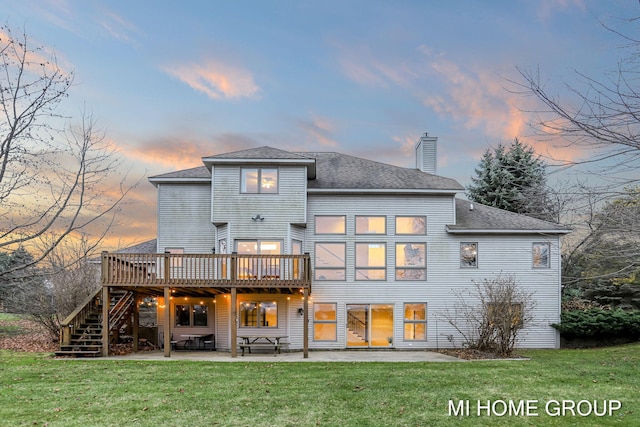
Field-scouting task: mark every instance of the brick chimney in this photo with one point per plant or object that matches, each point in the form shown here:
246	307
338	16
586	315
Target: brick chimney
427	153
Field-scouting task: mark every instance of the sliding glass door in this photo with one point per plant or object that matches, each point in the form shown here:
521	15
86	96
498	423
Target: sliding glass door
369	325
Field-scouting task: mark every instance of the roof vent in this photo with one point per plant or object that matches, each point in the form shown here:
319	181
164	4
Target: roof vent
470	206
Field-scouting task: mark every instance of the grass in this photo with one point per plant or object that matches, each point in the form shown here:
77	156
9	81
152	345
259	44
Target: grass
38	390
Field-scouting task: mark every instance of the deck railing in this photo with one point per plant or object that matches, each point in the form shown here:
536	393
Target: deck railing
198	270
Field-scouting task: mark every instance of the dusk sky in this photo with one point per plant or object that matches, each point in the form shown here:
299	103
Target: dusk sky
171	82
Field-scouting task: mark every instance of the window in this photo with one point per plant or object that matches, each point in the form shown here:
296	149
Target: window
415	321
175	262
254	268
200	315
183	315
468	255
331	224
191	315
259	314
371	261
541	255
411	261
325	324
411	225
330	261
371	225
499	313
258	180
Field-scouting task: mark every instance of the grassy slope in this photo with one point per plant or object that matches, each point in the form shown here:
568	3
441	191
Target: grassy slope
37	390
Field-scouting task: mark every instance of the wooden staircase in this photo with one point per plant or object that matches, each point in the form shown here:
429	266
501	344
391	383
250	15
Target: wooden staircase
81	331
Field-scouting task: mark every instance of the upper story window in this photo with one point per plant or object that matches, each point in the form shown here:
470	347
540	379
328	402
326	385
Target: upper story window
253	268
259	180
371	224
330	261
541	258
411	261
371	261
411	225
468	255
326	224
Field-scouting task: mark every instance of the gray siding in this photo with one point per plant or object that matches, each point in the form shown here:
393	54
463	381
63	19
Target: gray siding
184	219
498	254
286	207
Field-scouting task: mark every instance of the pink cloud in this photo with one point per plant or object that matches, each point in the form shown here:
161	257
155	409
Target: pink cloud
319	130
479	100
215	79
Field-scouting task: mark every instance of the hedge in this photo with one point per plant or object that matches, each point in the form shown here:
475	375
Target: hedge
600	324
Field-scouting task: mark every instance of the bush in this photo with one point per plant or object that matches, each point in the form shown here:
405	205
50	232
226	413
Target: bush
491	315
599	324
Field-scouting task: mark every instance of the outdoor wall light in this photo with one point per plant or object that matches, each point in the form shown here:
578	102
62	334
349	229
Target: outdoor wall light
301	311
257	218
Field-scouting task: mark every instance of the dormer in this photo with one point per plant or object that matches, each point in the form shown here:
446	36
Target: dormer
264	181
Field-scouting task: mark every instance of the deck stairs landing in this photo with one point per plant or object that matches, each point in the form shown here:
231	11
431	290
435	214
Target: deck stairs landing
81	334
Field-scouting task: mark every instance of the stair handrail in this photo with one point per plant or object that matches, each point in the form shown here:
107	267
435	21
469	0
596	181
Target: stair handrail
357	325
78	316
119	309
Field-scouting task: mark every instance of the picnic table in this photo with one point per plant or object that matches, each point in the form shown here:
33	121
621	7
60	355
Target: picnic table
193	340
261	341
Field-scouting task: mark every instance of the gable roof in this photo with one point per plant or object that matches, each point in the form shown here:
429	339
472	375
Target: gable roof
474	218
328	171
260	153
263	156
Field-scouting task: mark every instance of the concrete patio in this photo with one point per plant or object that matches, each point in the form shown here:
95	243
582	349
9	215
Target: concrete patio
314	356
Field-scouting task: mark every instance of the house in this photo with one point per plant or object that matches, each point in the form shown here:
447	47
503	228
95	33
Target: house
329	251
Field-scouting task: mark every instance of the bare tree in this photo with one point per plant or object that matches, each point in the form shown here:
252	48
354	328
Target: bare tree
601	114
52	176
491	315
48	296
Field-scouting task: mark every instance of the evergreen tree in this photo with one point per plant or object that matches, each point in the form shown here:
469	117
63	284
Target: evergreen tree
512	178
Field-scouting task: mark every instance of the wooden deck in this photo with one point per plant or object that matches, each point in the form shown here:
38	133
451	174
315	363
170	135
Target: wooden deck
171	275
218	273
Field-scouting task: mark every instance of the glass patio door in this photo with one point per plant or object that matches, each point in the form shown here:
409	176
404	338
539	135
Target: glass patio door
369	325
252	268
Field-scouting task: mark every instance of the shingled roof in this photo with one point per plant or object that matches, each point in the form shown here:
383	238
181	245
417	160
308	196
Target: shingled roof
472	217
264	153
197	173
328	171
342	172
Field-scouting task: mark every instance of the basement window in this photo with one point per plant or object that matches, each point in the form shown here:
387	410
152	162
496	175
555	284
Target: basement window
263	314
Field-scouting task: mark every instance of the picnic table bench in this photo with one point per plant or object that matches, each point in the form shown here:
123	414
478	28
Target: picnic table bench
262	341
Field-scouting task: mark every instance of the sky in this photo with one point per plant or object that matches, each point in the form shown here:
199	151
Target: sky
172	82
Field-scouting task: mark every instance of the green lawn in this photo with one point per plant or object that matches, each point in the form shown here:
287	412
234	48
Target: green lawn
38	390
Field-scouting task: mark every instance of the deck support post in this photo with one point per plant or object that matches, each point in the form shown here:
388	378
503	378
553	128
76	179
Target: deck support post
106	305
167	321
305	323
136	322
234	323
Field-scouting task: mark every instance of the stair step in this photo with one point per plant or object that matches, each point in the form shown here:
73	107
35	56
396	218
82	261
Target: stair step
78	353
91	336
81	347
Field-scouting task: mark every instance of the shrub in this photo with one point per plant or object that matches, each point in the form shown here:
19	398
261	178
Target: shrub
490	315
599	324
